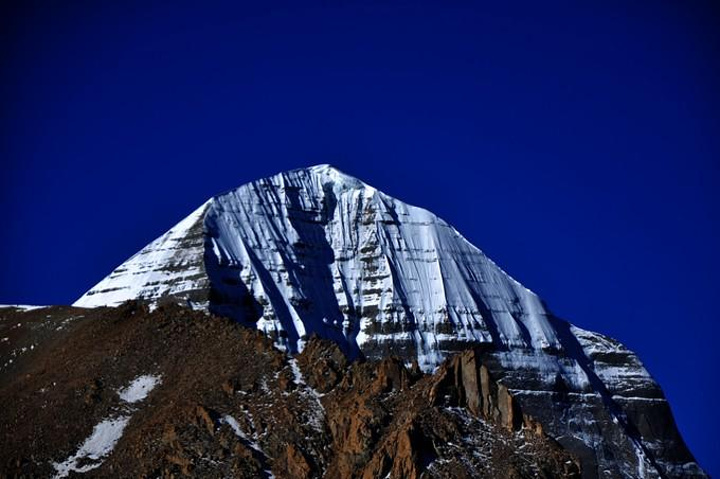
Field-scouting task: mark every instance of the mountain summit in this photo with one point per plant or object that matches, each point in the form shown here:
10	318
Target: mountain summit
317	251
314	251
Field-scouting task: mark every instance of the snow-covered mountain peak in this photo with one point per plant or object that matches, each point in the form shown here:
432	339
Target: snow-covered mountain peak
317	251
327	174
339	182
329	171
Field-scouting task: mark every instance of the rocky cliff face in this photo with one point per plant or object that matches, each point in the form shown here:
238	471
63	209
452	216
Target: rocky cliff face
124	392
315	251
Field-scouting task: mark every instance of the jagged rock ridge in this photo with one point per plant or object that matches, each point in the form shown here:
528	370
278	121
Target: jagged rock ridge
315	251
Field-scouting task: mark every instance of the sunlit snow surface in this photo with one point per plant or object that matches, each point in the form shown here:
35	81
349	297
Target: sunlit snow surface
139	388
95	448
323	252
171	264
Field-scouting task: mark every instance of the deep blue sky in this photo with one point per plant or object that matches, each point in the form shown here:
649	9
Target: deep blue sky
578	146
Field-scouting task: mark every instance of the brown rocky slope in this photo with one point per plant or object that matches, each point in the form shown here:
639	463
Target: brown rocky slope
228	404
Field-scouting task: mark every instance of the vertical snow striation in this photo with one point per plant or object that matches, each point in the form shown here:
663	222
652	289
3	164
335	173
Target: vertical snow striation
317	251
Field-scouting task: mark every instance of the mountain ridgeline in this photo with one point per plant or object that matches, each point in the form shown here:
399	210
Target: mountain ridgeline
315	252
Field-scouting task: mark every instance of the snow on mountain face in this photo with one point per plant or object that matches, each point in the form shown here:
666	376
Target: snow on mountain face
326	253
322	252
317	251
170	266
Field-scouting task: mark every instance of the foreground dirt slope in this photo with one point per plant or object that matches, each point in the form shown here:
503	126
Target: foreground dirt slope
124	392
